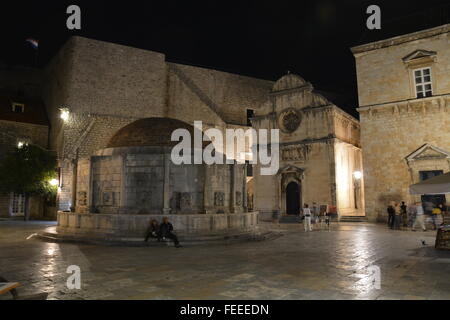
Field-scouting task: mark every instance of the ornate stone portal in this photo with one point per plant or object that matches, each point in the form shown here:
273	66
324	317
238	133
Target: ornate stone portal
286	175
121	188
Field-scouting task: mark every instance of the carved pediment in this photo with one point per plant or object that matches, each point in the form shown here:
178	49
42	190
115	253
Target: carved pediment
290	82
291	169
295	152
427	152
419	55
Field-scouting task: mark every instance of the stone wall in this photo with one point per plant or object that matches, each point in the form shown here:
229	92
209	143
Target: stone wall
199	93
349	190
384	77
131	180
111	226
107	86
394	123
388	137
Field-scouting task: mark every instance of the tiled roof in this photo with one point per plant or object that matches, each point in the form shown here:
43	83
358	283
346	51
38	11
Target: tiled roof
34	111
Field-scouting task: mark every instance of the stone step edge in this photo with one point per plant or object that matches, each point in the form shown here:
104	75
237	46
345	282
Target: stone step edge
139	242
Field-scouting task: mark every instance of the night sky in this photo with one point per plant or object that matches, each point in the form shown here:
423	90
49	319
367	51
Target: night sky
257	38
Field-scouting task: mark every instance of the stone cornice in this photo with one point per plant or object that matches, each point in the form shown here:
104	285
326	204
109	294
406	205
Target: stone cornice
273	115
308	86
401	39
440	100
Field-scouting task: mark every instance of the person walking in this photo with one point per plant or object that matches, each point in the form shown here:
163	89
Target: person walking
327	218
411	214
391	215
435	214
316	214
307	220
419	217
404	211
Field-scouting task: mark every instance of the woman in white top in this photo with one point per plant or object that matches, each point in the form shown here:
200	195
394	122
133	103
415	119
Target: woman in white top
307	215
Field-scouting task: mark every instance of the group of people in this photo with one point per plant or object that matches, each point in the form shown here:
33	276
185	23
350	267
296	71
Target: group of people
162	231
314	215
414	216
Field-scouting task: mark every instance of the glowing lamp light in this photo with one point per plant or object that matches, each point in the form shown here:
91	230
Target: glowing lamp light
64	114
20	144
357	175
54	182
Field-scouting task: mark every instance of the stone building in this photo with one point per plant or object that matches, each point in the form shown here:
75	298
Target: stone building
404	107
104	102
105	87
320	155
23	119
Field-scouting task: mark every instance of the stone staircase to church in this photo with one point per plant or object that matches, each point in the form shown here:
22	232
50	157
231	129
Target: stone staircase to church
290	219
353	219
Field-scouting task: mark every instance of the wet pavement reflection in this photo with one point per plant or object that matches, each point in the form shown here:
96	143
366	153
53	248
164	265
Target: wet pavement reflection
350	261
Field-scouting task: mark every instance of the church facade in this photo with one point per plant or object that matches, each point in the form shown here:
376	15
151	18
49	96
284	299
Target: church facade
320	154
404	107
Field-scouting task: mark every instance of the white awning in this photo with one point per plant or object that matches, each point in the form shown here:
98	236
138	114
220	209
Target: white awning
435	185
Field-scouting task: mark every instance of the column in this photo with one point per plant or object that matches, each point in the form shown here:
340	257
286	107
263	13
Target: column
244	189
123	183
281	211
232	188
166	194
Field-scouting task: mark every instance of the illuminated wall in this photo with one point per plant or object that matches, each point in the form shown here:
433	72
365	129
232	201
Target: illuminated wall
349	185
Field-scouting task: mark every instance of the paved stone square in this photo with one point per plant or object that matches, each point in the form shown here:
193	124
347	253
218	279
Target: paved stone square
333	264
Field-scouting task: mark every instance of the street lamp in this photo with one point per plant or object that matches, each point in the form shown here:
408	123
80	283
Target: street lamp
54	182
357	175
64	113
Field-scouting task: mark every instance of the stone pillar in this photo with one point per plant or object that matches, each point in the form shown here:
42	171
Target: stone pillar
73	202
207	205
90	191
166	194
233	208
280	195
123	181
244	189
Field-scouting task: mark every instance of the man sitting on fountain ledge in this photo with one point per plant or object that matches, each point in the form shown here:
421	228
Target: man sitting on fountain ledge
165	231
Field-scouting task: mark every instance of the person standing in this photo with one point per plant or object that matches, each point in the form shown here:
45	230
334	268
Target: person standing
404	211
307	220
398	216
419	217
391	215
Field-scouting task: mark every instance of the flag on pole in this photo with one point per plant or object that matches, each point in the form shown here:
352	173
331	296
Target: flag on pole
34	43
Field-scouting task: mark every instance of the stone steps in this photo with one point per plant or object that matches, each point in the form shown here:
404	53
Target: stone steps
11	219
290	219
353	219
187	240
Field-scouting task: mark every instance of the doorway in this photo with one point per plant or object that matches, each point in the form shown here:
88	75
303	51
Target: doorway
430	201
293	198
17	205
